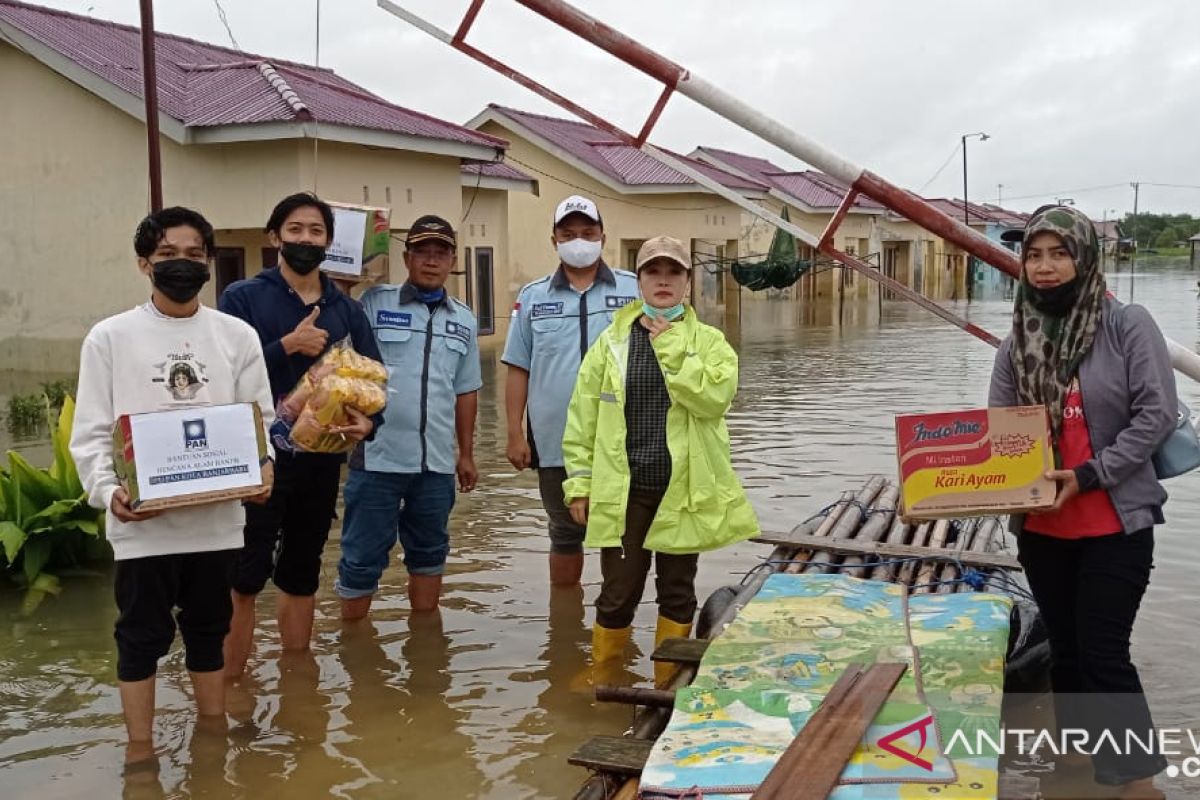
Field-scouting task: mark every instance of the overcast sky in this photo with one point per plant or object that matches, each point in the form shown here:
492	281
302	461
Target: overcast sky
1076	94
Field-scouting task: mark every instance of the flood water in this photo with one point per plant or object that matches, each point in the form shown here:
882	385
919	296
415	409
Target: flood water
478	703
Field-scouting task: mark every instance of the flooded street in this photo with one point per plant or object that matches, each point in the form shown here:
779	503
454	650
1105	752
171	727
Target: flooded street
480	704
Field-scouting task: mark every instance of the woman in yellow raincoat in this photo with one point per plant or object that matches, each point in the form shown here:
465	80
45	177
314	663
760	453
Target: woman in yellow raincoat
647	454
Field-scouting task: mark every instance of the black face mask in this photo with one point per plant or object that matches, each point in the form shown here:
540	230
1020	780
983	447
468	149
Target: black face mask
302	258
180	279
1056	301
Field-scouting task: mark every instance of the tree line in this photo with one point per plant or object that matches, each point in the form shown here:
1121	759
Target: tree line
1158	230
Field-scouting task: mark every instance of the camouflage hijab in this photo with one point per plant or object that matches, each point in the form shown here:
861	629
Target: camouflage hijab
1048	344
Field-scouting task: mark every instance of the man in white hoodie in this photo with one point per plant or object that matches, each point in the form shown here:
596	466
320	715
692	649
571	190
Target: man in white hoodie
179	558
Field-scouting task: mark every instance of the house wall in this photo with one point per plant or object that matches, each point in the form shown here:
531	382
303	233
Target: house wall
691	216
75	187
485	226
73	191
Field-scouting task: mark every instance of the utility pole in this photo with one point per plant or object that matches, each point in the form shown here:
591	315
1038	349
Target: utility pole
983	137
1133	262
150	90
1000	194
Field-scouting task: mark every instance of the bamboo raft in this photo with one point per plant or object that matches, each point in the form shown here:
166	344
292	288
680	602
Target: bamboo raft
862	536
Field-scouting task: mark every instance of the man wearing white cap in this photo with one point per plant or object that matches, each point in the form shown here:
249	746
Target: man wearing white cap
554	321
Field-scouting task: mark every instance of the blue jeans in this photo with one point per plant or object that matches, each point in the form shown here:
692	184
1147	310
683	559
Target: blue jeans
383	507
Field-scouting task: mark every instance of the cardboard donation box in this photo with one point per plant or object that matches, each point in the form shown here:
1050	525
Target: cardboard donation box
974	463
361	243
191	456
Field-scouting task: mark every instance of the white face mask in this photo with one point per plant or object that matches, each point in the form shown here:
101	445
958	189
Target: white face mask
579	253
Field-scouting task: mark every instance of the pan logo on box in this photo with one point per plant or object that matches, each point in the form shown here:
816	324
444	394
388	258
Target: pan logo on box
195	435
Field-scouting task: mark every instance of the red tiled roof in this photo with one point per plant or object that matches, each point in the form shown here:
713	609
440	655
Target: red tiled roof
756	168
496	170
612	157
203	85
954	208
812	188
1013	219
818	190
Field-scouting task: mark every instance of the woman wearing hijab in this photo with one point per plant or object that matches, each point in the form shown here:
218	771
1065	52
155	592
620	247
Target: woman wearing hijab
1103	372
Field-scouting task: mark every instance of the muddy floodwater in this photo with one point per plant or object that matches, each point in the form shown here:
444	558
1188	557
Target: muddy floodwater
479	703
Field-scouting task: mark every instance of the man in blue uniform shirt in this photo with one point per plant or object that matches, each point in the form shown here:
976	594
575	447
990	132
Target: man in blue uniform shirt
554	321
401	484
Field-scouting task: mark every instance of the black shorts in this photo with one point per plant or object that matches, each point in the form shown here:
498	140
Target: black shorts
285	537
148	590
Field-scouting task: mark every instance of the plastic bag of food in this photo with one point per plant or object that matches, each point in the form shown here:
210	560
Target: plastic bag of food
340	379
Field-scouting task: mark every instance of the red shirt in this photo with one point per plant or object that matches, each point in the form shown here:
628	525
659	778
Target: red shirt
1088	514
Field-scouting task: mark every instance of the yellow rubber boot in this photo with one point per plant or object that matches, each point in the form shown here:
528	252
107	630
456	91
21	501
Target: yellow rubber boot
608	654
668	629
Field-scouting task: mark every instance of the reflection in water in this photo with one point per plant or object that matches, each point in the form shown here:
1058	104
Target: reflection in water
402	720
477	703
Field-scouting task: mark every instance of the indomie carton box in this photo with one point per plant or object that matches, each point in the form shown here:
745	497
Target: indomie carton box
191	456
974	463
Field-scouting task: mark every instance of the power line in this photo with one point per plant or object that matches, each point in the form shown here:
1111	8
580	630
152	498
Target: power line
945	164
225	22
1172	185
1065	192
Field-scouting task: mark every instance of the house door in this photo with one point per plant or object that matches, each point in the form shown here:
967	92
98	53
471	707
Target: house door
485	310
230	267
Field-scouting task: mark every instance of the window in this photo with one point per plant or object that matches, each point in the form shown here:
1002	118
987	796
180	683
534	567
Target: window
485	310
230	266
270	257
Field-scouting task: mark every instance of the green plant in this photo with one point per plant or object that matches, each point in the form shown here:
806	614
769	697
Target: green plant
45	521
57	392
26	413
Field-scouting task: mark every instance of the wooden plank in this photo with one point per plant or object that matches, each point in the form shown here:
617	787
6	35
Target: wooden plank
635	696
620	754
1018	787
886	550
810	767
680	650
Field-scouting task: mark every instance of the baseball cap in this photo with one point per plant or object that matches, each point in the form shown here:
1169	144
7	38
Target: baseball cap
576	204
427	228
664	247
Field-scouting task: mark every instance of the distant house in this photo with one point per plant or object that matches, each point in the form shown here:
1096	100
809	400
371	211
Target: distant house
483	237
811	199
993	221
637	195
238	132
1194	242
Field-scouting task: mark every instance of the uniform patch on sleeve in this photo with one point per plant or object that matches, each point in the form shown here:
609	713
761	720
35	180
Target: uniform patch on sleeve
547	310
392	319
